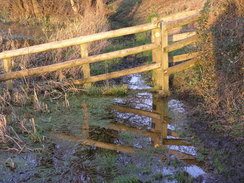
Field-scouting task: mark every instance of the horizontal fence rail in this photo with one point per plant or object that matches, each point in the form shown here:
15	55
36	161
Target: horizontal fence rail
178	37
117	74
76	62
160	47
180	58
183	21
77	41
180	15
182	43
182	66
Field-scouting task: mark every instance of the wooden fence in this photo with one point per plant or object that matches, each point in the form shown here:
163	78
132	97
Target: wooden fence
159	46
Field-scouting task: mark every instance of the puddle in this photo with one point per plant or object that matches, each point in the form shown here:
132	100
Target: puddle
111	140
136	82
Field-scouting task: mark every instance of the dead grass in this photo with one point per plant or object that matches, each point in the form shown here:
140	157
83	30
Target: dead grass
58	21
3	124
22	10
218	81
161	8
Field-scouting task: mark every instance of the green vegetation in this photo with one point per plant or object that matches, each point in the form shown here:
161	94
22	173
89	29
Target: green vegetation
183	177
125	179
107	91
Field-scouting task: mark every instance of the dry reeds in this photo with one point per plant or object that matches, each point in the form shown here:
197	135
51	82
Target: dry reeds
3	128
59	22
162	8
24	9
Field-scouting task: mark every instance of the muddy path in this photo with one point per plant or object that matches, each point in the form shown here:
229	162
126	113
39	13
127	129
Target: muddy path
224	154
137	138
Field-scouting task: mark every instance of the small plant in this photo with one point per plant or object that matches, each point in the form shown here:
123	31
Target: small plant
152	16
107	90
93	91
115	90
142	38
39	106
158	176
184	177
127	179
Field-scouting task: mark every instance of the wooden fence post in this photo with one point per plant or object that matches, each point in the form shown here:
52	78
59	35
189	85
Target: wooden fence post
165	59
85	67
157	55
7	67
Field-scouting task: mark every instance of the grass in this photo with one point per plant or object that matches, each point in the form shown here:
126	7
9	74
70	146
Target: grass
183	177
127	179
107	91
28	124
158	176
69	119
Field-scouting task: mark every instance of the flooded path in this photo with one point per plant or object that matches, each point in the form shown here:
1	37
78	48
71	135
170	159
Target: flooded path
137	138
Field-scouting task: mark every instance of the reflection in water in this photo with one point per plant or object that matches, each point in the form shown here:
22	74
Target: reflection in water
146	119
139	136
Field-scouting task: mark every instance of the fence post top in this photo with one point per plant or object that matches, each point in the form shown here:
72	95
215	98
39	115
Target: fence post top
154	19
161	23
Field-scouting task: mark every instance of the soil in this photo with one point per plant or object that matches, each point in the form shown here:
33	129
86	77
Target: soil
223	154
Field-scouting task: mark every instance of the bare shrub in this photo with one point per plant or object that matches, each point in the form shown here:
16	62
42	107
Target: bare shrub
5	99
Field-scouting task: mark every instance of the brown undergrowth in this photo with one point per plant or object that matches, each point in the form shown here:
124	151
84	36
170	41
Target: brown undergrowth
160	8
218	81
215	88
56	20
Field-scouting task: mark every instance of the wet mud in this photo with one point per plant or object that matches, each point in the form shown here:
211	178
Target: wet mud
137	138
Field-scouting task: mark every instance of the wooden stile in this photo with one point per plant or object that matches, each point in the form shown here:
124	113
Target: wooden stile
157	74
182	66
86	67
182	43
181	36
78	40
165	58
180	15
76	62
117	74
7	67
183	21
180	58
159	47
